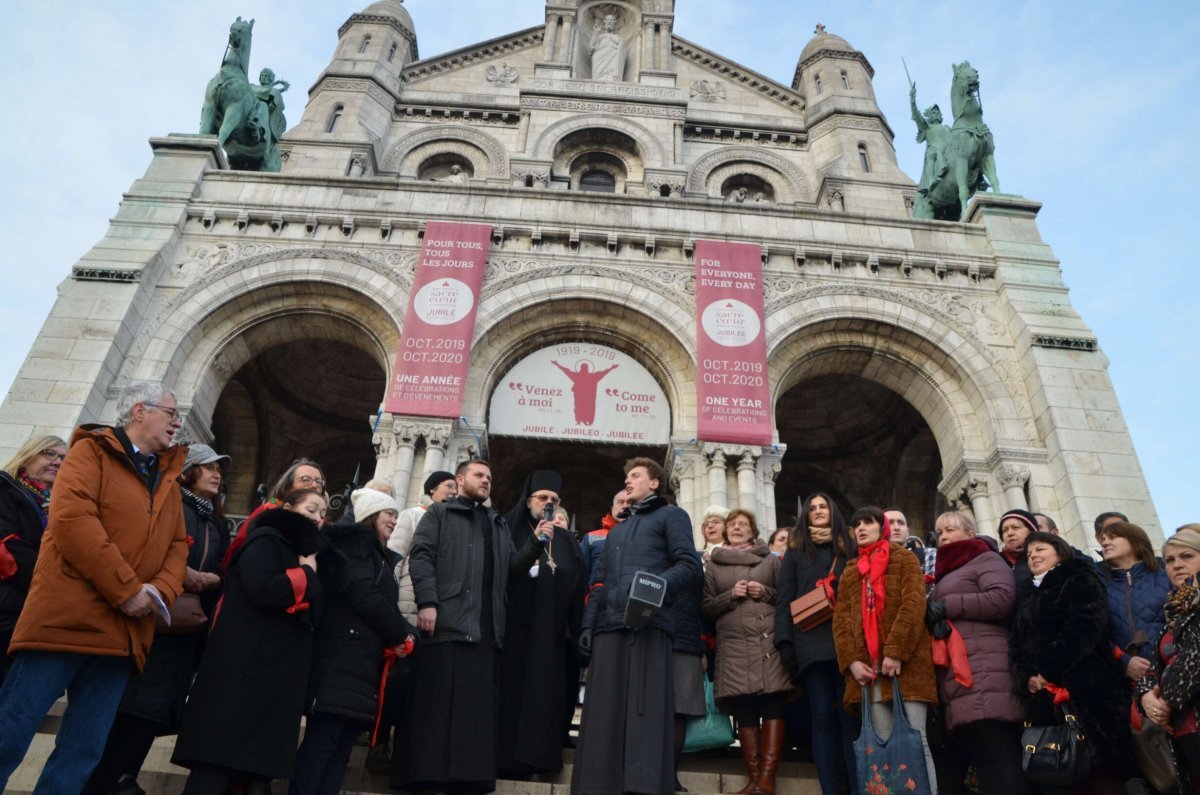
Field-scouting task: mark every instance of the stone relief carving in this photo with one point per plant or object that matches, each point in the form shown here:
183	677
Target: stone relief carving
986	321
1011	475
502	75
370	88
835	201
425	70
768	88
206	258
671	283
496	152
708	90
698	176
608	89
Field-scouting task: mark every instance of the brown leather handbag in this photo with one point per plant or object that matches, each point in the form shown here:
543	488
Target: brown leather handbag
815	607
187	616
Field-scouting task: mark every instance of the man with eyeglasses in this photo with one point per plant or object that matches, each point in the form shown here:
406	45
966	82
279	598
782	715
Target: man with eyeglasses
113	556
539	675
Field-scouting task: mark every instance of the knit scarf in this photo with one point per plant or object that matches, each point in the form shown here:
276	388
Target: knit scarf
872	563
39	488
820	535
203	507
1180	602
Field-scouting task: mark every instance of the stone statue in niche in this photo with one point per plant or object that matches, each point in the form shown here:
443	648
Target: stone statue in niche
608	51
456	176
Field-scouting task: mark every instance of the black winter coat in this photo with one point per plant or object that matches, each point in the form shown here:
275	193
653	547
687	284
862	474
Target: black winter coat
797	576
656	538
245	707
19	515
159	693
1061	632
360	617
445	561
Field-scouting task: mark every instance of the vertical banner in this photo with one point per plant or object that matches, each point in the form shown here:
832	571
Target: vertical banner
430	372
732	392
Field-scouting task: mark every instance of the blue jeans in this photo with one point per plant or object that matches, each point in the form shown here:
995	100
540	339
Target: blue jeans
831	725
93	684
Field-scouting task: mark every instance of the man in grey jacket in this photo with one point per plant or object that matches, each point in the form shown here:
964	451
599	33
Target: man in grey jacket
461	558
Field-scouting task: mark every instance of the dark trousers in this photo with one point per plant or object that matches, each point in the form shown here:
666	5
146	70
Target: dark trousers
995	750
750	711
129	743
834	730
324	754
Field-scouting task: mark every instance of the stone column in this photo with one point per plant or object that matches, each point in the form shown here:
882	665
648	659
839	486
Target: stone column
384	445
716	476
770	464
647	45
550	37
747	498
435	449
977	493
565	49
664	47
406	451
1013	478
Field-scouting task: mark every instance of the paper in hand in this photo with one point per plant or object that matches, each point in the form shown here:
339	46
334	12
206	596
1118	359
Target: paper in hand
163	610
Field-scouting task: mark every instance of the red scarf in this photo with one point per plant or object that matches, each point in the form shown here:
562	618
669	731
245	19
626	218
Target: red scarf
872	563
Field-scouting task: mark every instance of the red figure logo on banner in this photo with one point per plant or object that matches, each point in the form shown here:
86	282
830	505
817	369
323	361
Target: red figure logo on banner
585	383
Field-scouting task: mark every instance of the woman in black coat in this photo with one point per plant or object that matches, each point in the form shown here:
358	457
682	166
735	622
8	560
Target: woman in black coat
25	484
153	702
243	716
360	620
1060	637
819	546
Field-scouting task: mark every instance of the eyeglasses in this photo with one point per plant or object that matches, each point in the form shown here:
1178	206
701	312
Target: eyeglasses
309	480
173	413
544	498
53	455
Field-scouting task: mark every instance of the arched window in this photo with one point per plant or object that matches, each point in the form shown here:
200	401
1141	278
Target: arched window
845	79
597	181
817	82
333	118
863	160
366	42
392	53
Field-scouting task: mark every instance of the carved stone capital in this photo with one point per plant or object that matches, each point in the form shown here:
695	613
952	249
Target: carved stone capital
747	460
1012	475
977	487
684	467
405	433
382	442
436	435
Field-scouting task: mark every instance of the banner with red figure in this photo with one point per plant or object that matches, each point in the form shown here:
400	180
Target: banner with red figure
732	391
582	391
430	372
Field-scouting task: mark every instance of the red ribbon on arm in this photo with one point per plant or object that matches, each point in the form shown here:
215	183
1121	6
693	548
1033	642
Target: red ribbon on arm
299	582
389	659
827	583
588	595
951	652
8	564
1061	694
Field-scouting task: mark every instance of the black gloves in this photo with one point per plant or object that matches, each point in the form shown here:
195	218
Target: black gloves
787	657
935	618
584	647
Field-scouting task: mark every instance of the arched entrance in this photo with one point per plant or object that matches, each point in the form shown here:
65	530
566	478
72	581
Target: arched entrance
308	387
862	444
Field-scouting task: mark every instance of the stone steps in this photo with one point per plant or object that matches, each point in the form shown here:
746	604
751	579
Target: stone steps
707	773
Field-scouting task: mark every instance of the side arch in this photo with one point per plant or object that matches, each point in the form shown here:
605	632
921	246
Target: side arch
700	174
467	140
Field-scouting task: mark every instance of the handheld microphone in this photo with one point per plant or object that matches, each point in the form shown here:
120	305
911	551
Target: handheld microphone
547	516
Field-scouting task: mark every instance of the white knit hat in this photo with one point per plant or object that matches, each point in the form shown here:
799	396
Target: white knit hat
368	502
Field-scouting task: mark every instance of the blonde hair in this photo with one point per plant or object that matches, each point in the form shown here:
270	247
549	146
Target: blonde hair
960	519
26	452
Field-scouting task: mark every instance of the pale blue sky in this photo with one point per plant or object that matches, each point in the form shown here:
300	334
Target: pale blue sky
1093	106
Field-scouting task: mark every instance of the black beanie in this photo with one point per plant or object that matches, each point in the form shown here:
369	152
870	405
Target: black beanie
436	479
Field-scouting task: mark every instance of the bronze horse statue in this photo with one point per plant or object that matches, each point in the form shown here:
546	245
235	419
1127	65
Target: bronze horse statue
968	156
232	111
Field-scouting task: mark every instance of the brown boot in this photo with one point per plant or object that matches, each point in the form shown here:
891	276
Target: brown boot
748	737
773	733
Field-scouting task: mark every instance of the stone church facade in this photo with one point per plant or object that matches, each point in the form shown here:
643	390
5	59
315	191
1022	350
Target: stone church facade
922	364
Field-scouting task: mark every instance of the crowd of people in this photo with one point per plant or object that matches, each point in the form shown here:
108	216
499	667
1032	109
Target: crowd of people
454	637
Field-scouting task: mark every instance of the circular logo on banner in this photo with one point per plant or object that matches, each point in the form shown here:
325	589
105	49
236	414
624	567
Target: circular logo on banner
730	323
443	301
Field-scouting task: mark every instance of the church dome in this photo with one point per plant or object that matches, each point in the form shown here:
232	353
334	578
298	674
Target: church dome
824	41
390	8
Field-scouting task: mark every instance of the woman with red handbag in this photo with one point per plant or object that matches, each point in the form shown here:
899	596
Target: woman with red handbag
817	552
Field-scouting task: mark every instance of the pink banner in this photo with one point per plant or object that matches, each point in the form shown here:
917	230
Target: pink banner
430	372
731	378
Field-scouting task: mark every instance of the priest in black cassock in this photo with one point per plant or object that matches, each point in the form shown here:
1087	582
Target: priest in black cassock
542	628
